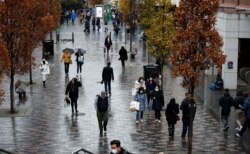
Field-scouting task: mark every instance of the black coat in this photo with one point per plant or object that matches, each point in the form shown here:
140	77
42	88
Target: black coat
239	100
188	108
73	89
107	74
158	100
171	111
107	43
226	102
123	54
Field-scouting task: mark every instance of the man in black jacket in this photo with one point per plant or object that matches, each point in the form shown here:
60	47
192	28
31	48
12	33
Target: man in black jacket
188	107
225	102
116	148
123	55
102	106
107	76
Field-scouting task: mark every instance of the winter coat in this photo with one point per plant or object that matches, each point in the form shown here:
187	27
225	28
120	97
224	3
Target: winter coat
246	107
73	16
188	108
107	74
108	43
66	58
142	99
239	100
45	70
123	54
150	86
171	111
226	102
77	54
138	85
73	89
123	151
158	100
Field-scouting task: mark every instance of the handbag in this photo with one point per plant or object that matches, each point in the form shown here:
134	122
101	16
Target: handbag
67	101
134	106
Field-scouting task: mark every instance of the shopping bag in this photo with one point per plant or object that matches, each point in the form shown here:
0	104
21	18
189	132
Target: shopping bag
67	101
134	106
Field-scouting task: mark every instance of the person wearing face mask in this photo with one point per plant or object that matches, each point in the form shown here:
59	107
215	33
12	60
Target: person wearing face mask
158	103
45	71
140	83
116	148
140	97
150	88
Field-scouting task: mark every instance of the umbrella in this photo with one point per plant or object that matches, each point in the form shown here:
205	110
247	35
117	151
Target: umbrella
71	51
81	50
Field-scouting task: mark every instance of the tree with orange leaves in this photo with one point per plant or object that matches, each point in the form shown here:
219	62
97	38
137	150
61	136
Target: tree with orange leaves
23	24
95	2
196	45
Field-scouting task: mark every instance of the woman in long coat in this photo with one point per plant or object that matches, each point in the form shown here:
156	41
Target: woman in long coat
45	71
158	103
171	113
140	97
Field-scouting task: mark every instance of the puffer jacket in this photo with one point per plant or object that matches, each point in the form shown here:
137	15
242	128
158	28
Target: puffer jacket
142	99
226	102
66	58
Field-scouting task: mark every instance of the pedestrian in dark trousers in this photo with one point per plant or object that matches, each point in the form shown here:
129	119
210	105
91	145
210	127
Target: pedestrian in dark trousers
98	24
116	148
140	97
225	102
188	107
172	117
79	61
239	114
93	23
108	43
102	106
150	87
66	58
72	91
246	109
158	103
123	55
107	76
116	29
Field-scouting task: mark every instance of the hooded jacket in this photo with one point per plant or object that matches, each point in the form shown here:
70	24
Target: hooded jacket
246	107
226	102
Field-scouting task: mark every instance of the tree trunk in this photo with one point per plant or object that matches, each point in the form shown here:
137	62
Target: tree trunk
31	81
12	99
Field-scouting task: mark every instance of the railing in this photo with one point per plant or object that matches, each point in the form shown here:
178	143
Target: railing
2	151
82	150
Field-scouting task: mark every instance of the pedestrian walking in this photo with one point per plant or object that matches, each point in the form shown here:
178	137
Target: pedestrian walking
239	114
93	23
102	106
140	97
188	107
107	76
140	83
66	58
172	117
108	43
150	85
72	90
246	109
45	71
81	17
225	102
116	148
116	30
79	61
73	17
158	103
98	24
123	55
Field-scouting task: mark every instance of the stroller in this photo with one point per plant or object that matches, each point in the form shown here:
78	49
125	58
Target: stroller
87	26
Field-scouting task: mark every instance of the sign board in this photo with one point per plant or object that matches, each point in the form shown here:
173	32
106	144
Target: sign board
99	11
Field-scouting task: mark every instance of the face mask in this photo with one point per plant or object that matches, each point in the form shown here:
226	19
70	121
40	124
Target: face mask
114	151
141	92
141	81
156	89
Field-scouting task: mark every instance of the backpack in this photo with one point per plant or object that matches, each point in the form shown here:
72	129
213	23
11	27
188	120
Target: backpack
102	104
81	59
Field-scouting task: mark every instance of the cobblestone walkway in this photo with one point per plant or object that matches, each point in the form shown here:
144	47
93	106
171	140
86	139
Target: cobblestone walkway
51	128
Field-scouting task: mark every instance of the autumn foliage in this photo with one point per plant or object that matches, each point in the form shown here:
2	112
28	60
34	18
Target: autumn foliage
23	24
197	44
95	2
125	7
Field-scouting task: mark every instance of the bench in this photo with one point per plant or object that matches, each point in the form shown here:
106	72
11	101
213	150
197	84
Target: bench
20	89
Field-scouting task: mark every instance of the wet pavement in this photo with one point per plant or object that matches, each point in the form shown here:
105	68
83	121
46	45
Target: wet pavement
48	127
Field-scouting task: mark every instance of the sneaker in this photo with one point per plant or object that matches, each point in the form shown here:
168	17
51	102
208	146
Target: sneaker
237	129
226	129
238	135
137	122
159	121
156	120
141	120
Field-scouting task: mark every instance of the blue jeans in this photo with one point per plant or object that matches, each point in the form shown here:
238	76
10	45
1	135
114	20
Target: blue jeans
107	86
187	126
139	115
79	67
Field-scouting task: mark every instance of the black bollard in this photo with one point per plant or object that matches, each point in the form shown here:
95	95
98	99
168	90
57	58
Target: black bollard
73	39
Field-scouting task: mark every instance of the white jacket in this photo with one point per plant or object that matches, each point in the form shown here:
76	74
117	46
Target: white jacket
44	68
138	85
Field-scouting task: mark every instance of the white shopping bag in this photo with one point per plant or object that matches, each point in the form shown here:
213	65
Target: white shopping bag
134	106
